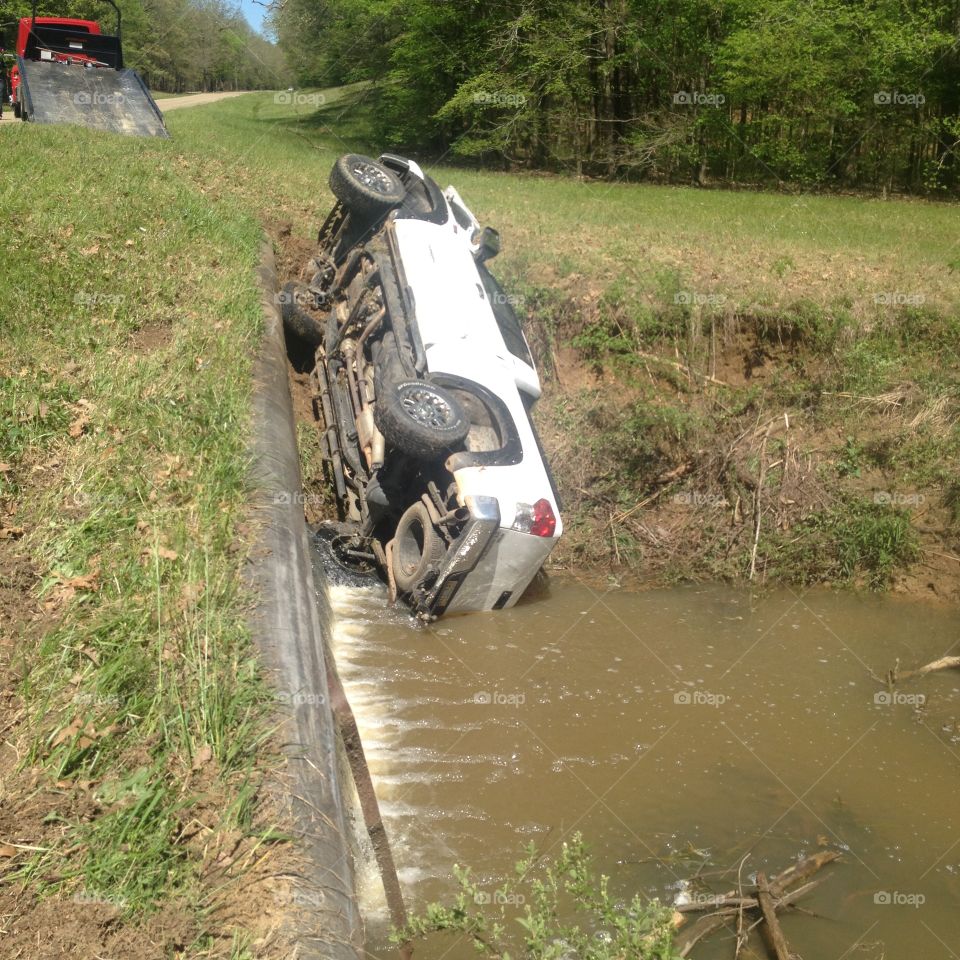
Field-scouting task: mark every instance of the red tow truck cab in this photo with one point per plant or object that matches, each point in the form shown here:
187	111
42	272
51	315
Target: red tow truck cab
76	45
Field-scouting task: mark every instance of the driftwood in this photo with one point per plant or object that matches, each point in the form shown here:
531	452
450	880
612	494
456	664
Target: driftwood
743	933
802	869
768	897
702	928
771	925
944	663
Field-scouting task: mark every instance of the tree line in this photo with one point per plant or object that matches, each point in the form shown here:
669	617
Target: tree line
176	45
832	94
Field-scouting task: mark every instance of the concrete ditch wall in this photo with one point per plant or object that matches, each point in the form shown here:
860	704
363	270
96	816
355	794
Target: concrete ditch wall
324	917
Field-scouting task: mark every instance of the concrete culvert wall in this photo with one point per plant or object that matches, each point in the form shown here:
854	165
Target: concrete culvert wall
324	917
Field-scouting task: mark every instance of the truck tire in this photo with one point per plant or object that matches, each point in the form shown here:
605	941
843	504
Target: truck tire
419	418
364	186
418	549
297	321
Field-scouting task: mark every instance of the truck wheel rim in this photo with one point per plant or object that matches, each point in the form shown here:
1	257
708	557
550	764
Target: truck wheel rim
371	176
427	408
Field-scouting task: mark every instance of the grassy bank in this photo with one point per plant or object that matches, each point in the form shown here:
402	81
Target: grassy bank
737	384
134	718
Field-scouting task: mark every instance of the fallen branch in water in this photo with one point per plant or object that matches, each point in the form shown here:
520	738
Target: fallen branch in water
944	663
772	931
733	904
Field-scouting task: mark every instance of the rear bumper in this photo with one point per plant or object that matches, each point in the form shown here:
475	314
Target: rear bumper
489	566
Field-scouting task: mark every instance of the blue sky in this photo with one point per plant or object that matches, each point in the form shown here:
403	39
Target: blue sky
254	13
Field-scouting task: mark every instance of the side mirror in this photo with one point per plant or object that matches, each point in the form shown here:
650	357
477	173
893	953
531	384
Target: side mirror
489	245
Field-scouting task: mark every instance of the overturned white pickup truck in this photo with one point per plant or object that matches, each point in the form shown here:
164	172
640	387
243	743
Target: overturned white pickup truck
424	384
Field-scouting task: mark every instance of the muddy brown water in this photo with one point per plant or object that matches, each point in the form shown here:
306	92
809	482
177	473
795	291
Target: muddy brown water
678	730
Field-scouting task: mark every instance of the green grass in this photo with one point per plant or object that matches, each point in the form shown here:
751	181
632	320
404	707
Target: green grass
130	319
762	251
853	539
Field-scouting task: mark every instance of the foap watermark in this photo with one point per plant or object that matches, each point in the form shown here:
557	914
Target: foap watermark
85	299
96	99
496	98
496	698
897	98
899	298
690	298
301	898
894	698
296	698
898	499
499	898
301	499
85	499
694	498
80	498
698	98
296	297
512	299
96	699
96	897
293	98
697	898
896	898
699	698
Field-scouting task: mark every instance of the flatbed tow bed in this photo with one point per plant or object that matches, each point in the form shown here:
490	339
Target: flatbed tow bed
67	71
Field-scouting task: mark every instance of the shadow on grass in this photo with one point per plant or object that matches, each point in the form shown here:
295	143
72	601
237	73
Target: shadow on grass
345	119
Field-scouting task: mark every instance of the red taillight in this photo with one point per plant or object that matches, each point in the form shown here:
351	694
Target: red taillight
544	521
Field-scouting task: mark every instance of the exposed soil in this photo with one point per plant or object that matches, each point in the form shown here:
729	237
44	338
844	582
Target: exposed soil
696	509
152	337
88	929
293	252
18	580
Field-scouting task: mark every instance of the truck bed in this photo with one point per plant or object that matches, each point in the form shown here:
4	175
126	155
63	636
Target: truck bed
102	98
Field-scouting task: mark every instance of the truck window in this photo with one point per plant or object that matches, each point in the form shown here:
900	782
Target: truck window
507	319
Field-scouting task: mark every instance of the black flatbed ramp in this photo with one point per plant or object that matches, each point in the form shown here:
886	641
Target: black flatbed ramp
97	97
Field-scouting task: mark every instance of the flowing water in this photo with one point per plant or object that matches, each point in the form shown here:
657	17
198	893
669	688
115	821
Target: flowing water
679	730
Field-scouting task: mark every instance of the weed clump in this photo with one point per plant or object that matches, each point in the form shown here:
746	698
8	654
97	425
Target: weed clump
855	540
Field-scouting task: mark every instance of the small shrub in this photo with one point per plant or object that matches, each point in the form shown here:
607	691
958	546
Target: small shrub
550	911
850	459
783	265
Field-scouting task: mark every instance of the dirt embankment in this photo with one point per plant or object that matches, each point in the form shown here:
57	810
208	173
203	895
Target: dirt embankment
742	451
737	452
